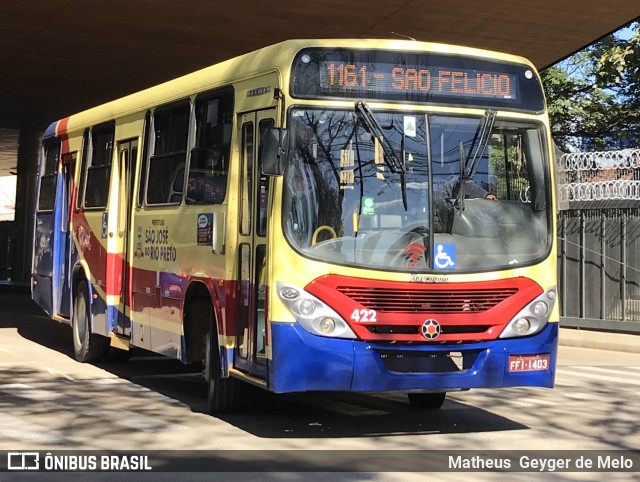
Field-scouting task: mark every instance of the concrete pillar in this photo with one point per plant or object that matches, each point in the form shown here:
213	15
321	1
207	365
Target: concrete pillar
22	242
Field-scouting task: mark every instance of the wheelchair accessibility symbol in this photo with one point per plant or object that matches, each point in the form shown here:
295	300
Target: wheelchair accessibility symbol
445	257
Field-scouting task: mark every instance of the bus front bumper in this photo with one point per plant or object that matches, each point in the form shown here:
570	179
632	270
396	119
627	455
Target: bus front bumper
303	362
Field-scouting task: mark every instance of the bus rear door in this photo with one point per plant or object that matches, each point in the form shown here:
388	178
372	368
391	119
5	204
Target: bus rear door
127	158
45	227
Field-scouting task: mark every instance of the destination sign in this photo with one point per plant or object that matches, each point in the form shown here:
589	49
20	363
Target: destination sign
415	77
384	78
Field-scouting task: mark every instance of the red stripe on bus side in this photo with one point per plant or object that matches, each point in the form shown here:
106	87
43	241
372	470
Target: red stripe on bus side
90	246
62	134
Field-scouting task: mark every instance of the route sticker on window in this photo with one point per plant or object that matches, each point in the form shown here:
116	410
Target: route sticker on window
410	126
367	207
445	256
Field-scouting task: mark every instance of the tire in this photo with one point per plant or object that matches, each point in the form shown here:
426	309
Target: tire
87	347
222	393
426	400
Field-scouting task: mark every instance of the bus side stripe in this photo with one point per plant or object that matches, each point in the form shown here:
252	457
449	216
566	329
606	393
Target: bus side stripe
62	133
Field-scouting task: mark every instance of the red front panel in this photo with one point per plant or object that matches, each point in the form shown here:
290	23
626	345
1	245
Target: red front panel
396	311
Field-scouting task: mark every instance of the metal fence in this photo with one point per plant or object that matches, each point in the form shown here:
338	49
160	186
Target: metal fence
599	240
599	176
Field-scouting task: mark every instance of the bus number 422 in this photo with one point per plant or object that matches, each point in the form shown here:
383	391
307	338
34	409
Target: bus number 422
364	316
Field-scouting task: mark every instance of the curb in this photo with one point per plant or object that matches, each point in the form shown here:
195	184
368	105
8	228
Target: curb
600	340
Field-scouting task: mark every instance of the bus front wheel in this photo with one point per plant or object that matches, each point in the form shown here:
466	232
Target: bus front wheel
87	347
426	400
221	392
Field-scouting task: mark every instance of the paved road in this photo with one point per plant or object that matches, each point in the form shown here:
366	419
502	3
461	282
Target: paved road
48	402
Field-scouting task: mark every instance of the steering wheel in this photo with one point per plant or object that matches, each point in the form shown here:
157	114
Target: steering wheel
318	230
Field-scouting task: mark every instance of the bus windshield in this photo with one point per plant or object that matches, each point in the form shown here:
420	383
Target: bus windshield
463	199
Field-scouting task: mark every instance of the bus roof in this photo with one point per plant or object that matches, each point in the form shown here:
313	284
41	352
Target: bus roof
276	57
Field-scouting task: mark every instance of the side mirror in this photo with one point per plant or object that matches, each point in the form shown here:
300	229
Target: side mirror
275	143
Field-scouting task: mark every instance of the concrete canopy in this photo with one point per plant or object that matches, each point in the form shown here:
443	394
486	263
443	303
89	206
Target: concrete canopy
61	56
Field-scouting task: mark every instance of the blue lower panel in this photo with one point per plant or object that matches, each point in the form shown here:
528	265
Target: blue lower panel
302	361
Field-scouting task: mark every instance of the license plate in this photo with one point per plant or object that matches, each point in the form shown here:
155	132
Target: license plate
528	363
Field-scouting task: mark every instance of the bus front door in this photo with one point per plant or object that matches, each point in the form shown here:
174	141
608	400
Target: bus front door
253	195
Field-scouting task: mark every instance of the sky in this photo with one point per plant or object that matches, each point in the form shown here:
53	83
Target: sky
625	33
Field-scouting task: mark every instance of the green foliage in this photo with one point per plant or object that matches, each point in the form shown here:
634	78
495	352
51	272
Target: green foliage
594	96
507	168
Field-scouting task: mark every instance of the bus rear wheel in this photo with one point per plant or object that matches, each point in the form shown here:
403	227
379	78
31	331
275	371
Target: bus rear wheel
87	347
426	400
221	392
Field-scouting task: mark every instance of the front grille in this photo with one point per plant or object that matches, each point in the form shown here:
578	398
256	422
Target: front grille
426	300
415	329
398	361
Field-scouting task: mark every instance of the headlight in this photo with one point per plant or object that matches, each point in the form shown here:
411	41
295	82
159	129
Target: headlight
289	293
312	314
327	325
306	307
532	318
521	326
540	308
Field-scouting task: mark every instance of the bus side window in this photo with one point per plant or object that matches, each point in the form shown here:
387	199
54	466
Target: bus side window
145	158
209	164
171	126
177	185
47	196
263	187
99	171
82	179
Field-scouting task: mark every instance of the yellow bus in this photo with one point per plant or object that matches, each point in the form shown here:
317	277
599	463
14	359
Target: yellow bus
357	215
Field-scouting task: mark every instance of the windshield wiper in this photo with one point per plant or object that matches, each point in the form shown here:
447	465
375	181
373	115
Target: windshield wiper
469	165
390	156
372	125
